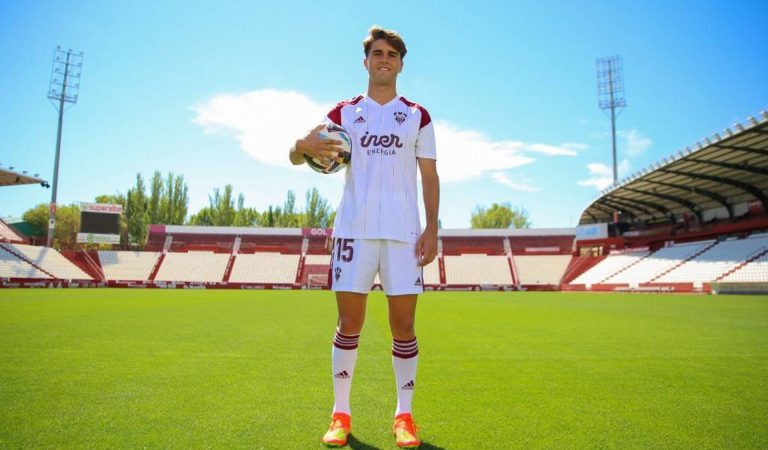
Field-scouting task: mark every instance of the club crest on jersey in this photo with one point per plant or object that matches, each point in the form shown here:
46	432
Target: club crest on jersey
400	117
337	272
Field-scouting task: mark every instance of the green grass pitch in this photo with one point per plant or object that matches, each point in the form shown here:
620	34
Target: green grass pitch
108	368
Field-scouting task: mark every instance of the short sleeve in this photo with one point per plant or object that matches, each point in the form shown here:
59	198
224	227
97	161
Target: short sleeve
425	142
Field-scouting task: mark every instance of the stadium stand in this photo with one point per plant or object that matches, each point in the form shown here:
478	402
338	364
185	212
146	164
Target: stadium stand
11	266
755	271
659	262
477	269
127	265
544	270
8	234
715	261
432	273
610	266
49	260
204	267
264	267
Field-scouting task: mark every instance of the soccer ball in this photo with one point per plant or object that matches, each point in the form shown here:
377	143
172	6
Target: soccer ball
332	131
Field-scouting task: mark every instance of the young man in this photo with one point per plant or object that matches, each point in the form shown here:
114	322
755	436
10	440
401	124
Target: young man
377	226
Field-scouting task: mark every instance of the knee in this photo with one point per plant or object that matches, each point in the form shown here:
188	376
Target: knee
350	325
404	328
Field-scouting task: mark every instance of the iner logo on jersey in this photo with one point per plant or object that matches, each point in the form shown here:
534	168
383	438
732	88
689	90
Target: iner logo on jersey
380	141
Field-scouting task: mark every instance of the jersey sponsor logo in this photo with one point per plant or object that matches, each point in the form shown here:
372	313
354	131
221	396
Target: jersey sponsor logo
359	119
400	117
386	141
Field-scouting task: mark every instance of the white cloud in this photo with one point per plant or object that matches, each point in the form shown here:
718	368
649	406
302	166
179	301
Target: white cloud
465	154
601	175
267	122
504	180
636	143
551	150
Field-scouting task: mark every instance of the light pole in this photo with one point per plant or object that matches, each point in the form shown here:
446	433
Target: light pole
63	88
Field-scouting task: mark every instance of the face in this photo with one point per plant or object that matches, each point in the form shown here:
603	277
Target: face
383	62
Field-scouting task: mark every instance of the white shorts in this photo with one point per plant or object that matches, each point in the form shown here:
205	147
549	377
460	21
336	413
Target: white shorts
355	262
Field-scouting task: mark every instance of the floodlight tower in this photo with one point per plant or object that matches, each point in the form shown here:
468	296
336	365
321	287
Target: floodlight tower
610	93
63	88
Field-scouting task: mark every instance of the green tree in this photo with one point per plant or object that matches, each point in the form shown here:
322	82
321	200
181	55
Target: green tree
38	218
288	217
500	215
136	212
67	223
168	200
220	210
317	211
155	194
245	217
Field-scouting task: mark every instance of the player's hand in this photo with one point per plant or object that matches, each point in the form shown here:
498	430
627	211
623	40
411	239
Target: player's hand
318	147
426	247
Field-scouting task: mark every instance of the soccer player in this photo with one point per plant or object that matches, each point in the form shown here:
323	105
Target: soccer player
377	228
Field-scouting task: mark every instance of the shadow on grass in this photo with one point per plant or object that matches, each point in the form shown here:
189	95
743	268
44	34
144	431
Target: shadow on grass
354	444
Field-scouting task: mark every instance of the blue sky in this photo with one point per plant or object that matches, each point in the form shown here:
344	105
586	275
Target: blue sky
217	92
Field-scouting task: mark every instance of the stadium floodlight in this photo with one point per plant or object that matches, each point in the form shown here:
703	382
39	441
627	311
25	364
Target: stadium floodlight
64	87
610	93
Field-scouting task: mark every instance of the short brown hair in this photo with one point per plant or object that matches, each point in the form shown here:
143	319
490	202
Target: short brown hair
392	37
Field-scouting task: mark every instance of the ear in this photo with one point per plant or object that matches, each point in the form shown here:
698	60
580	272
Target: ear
365	63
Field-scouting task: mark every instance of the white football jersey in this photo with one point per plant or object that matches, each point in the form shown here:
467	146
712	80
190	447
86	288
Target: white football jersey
380	196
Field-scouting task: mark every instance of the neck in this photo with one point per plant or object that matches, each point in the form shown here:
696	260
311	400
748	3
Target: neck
382	93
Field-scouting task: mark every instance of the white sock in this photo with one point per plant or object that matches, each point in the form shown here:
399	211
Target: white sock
343	359
405	358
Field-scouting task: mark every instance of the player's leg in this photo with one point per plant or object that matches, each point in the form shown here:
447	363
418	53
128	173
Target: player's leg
352	274
351	308
403	280
405	348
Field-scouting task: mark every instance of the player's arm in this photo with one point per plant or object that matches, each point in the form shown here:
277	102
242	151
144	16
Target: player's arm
426	246
314	146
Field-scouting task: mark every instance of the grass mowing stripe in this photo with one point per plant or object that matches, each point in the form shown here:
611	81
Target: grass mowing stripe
251	369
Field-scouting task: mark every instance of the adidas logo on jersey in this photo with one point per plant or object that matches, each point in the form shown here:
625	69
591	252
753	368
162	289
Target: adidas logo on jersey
408	386
343	374
359	119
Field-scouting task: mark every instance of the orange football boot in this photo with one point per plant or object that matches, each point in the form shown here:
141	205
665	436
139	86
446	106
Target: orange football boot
336	436
405	431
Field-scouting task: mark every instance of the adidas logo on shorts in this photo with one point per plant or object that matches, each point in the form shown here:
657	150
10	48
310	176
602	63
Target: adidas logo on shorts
418	281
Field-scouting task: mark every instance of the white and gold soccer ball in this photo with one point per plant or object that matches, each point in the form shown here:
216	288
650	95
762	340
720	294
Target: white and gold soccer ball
333	131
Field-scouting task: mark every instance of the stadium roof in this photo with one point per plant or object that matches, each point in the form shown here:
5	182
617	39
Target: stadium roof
9	177
721	171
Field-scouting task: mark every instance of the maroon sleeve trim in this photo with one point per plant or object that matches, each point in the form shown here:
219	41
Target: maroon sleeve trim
335	114
425	119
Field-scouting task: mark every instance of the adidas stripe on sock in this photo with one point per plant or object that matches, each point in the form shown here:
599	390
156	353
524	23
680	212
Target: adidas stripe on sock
405	357
343	359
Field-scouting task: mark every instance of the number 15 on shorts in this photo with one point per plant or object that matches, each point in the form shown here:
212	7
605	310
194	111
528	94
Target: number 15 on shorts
343	251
